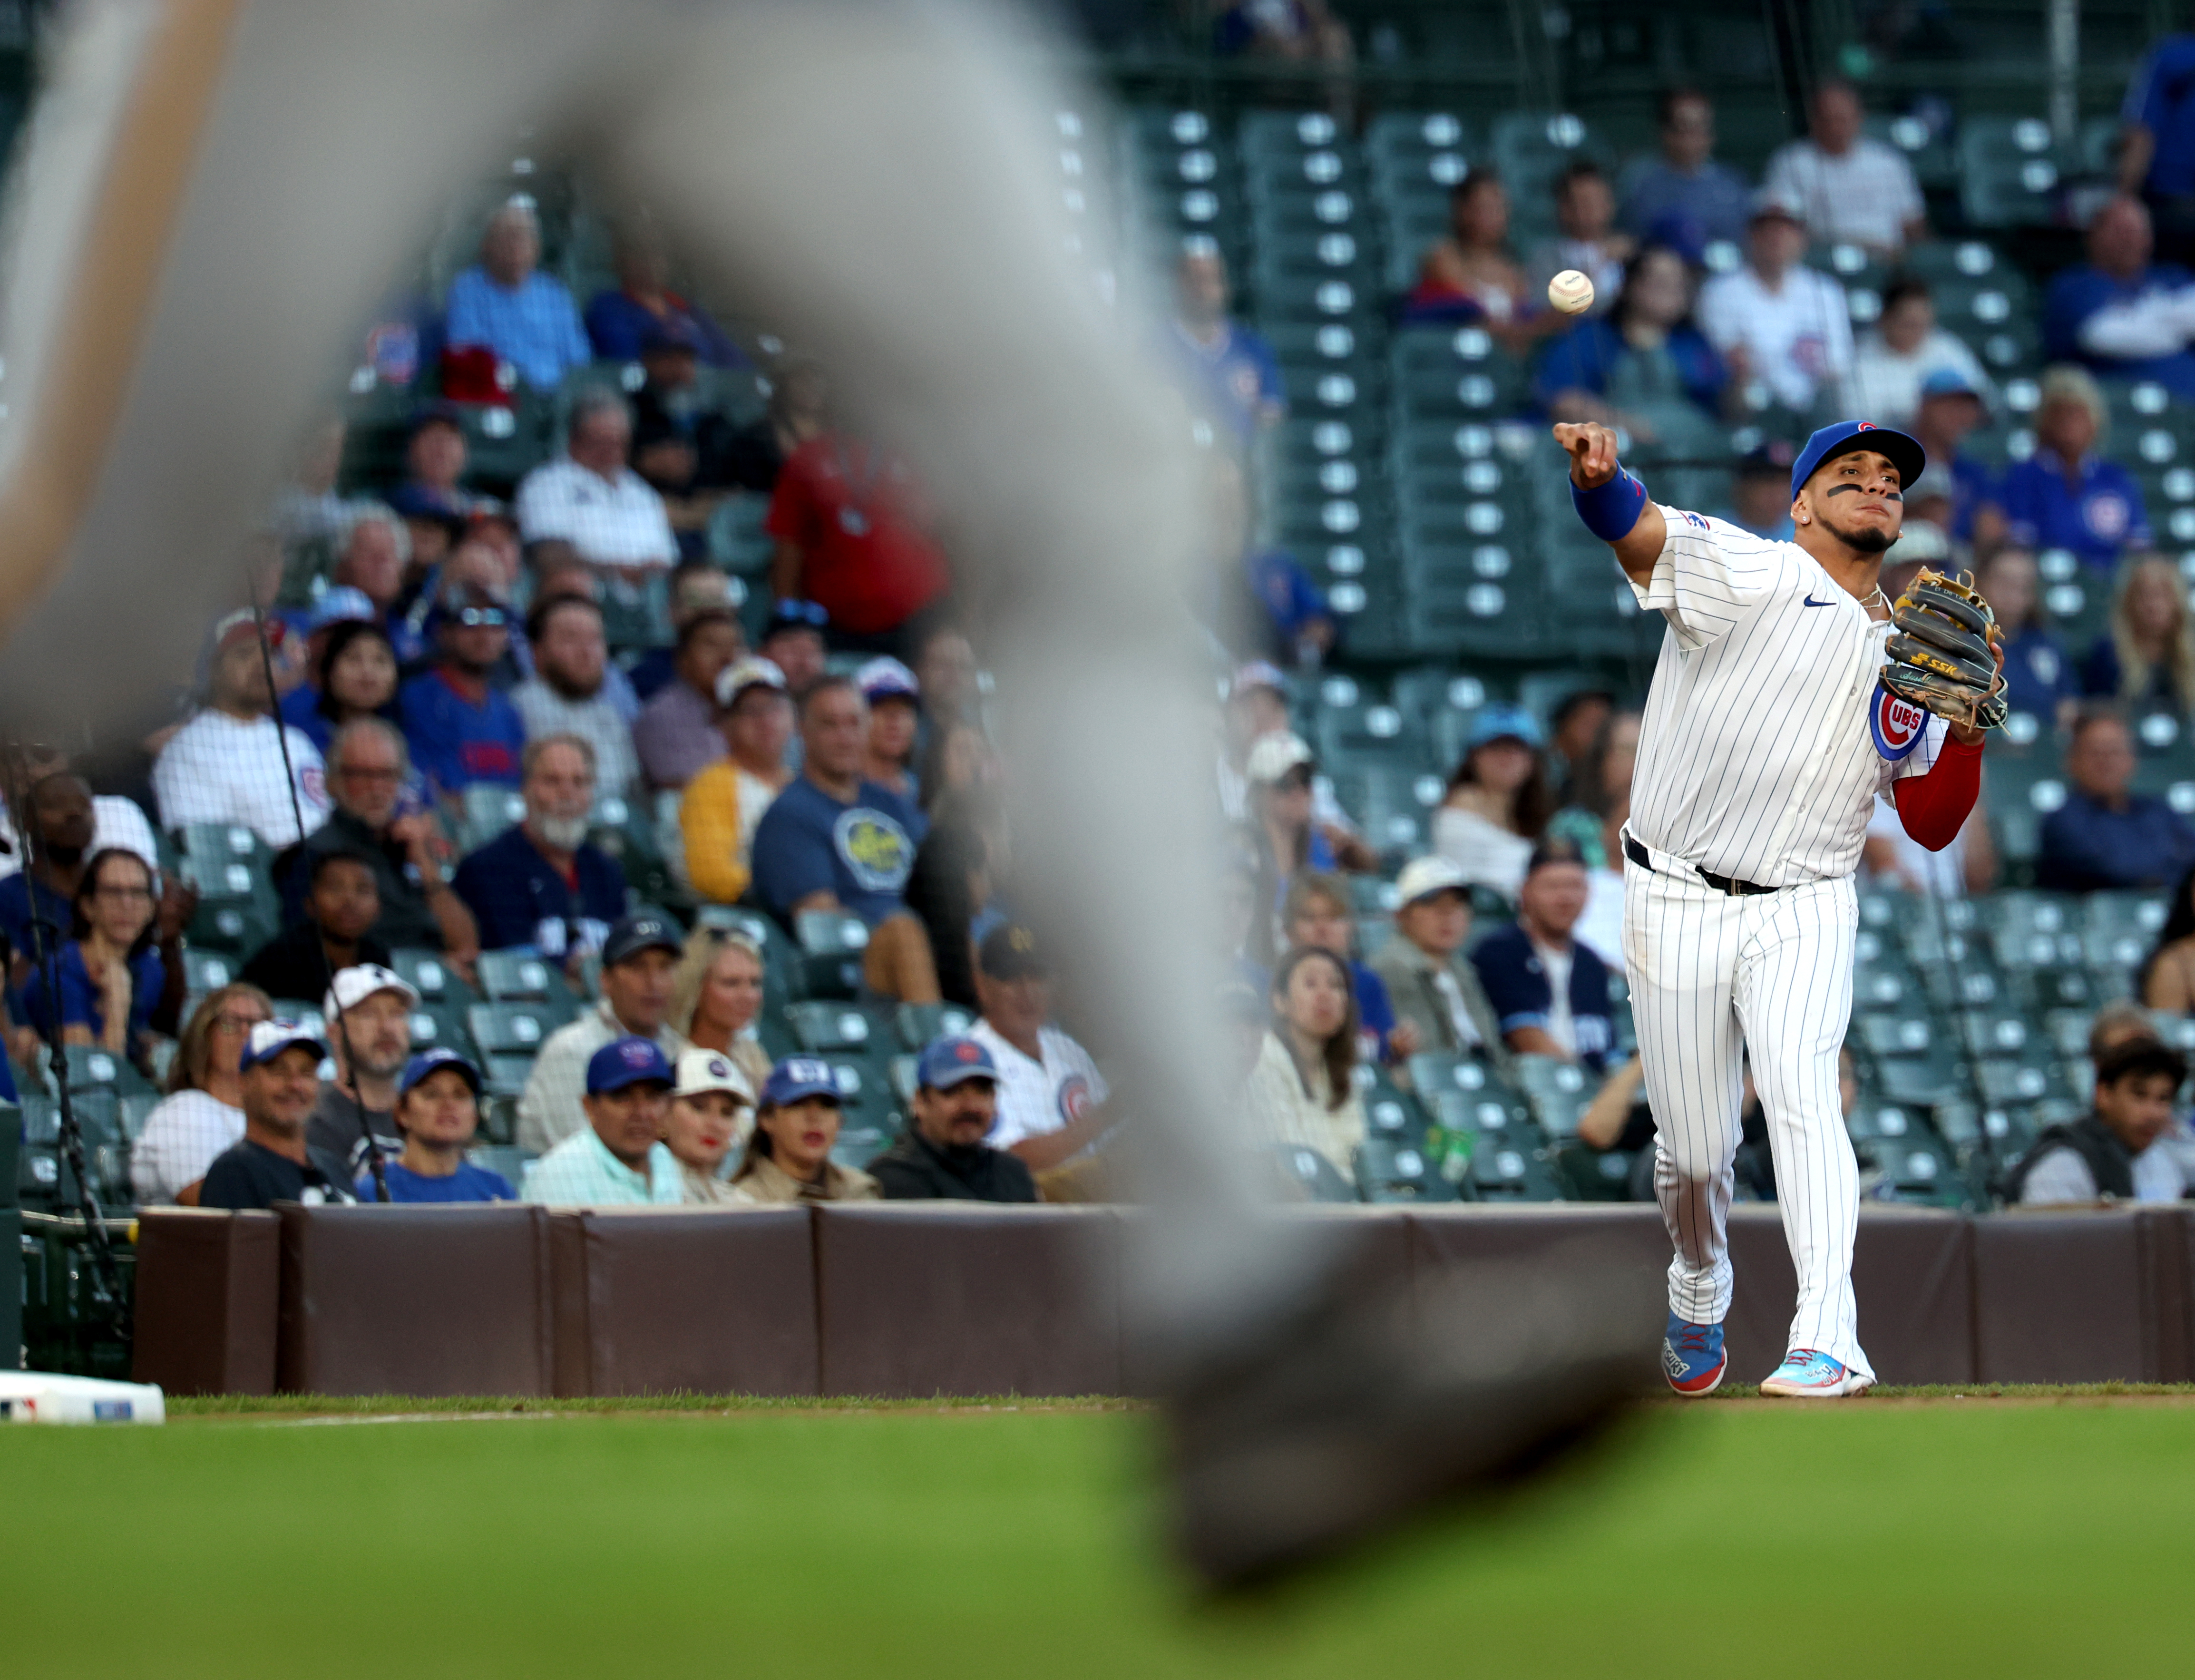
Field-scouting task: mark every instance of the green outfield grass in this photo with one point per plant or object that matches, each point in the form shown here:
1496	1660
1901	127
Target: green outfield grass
970	1541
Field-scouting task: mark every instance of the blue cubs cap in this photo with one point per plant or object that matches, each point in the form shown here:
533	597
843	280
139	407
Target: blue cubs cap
954	1061
1847	437
269	1039
1503	722
627	1061
431	1061
798	1079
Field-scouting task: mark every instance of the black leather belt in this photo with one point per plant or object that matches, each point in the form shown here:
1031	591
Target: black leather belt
1736	889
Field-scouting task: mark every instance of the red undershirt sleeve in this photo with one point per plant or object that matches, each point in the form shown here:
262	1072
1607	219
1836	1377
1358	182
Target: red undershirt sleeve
1933	807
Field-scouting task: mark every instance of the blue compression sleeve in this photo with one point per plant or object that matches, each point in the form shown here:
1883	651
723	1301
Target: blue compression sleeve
1610	510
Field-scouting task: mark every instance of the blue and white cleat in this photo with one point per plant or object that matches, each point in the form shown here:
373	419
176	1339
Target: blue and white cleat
1692	1358
1807	1375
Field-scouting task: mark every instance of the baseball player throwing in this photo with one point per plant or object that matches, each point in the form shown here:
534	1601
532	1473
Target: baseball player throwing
1788	692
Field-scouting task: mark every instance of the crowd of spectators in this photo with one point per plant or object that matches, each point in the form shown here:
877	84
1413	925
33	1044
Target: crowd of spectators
454	650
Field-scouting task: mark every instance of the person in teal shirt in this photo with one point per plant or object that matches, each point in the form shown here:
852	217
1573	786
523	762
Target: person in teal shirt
620	1159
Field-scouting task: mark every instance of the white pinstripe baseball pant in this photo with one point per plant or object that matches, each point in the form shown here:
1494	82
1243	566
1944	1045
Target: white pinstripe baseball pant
1711	975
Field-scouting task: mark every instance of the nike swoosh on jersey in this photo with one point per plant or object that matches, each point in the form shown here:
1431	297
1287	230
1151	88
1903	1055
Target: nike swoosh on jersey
1812	602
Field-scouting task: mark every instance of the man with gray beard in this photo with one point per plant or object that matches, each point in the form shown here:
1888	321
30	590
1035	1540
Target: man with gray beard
541	884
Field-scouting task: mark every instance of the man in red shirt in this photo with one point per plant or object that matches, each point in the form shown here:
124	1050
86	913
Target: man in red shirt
848	519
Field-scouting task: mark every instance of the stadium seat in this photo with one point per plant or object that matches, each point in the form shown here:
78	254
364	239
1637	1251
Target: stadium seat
1389	1170
1559	1091
2010	171
1316	1177
918	1024
833	1026
429	975
509	1037
831	944
518	977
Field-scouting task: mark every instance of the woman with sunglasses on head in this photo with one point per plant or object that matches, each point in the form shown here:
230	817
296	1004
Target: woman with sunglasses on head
108	978
716	996
203	1113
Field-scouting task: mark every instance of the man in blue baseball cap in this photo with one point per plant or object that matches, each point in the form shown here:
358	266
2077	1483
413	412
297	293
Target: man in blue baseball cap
942	1156
438	1112
640	960
620	1159
279	1076
1770	735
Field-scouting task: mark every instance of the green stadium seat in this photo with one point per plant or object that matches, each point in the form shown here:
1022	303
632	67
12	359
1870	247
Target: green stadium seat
1318	1178
866	1089
515	977
510	1035
427	973
1590	1174
834	1026
2010	171
1391	1170
1935	164
1502	1170
918	1024
207	971
831	944
91	1068
1559	1091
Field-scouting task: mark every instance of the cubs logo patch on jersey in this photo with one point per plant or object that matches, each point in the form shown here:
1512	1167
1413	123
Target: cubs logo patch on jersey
1896	725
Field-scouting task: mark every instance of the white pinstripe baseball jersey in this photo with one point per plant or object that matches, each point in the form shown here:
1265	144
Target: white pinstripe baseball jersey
1755	759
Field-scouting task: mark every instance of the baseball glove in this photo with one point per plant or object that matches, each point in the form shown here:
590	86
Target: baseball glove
1943	653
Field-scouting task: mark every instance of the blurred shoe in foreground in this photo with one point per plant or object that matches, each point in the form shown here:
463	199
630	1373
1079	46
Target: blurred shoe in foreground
1389	1395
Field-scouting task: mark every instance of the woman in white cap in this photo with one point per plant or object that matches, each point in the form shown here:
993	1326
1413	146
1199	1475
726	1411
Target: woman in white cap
788	1158
711	1107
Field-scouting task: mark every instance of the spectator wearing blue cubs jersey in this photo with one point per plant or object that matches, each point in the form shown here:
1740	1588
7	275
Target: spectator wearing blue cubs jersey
1549	992
462	728
833	841
1233	367
438	1112
2065	495
2119	313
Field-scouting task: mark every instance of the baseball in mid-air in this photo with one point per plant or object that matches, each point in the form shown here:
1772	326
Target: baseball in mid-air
1570	291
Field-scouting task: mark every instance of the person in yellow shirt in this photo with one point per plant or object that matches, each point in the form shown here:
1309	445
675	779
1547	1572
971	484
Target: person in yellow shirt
725	802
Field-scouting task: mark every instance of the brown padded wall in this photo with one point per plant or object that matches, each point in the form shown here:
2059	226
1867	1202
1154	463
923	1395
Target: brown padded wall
208	1290
414	1300
916	1299
2057	1298
709	1300
926	1299
2166	1237
1912	1277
